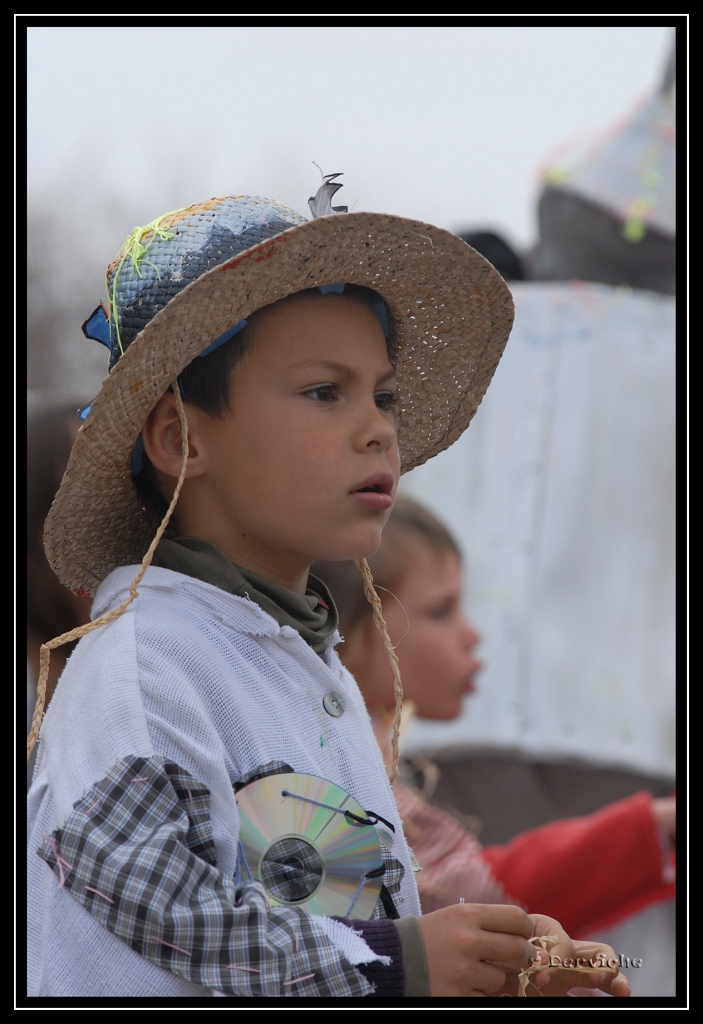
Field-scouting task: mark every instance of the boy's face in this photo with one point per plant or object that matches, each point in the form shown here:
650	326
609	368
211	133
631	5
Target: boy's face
435	642
305	464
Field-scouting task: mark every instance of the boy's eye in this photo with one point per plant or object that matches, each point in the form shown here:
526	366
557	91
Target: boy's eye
385	400
322	393
441	612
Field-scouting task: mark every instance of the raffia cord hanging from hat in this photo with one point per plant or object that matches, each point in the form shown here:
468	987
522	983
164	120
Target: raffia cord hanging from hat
114	613
169	220
380	623
133	248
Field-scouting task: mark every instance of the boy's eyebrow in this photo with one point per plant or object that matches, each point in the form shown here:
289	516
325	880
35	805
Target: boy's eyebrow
338	369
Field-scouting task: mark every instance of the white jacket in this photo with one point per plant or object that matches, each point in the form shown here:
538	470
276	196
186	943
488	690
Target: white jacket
193	677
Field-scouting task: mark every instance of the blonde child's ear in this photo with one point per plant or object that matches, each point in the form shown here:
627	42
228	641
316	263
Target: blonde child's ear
161	435
353	651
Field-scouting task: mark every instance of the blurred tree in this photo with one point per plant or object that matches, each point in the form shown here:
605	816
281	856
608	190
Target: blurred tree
64	284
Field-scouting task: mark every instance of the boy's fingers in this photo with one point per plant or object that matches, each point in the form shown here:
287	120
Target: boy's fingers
502	918
615	984
574	954
582	979
506	950
563	950
487	978
620	987
562	980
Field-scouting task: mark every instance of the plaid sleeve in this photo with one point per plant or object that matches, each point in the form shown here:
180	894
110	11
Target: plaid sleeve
138	853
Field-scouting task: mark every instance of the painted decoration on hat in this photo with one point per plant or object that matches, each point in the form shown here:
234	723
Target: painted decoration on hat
160	259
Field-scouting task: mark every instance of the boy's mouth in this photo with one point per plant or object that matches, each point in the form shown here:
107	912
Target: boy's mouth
375	491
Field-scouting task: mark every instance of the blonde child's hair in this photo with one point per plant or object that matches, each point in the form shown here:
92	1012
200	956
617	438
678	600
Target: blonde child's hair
88	627
409	523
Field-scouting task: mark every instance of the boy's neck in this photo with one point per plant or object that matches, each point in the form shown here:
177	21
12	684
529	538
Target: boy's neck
293	577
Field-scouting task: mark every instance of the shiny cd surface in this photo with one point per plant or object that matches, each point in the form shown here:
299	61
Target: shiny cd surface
296	839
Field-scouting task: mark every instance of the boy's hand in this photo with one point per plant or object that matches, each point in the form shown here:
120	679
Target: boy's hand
479	950
556	981
461	940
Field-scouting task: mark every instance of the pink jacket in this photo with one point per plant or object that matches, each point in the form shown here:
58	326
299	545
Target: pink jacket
588	873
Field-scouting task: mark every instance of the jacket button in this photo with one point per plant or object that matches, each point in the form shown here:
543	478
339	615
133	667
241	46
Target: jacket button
333	704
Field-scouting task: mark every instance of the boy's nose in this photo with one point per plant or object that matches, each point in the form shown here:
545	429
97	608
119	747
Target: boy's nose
377	430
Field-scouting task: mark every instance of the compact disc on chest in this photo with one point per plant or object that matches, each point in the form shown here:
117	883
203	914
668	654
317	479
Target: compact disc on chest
310	844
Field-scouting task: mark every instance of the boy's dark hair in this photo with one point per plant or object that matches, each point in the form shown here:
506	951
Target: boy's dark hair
205	383
409	522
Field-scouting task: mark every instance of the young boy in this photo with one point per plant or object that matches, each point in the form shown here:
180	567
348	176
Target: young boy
268	377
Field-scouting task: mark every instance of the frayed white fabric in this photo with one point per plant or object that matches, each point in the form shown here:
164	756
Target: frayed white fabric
350	942
213	684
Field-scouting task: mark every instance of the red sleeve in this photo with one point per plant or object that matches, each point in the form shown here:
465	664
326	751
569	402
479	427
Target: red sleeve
588	873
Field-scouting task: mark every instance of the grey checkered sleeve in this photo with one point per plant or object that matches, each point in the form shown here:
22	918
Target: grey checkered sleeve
138	853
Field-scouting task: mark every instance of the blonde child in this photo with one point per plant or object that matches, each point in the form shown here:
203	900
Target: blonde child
268	377
418	570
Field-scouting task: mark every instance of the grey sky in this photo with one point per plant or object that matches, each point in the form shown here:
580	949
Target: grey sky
448	125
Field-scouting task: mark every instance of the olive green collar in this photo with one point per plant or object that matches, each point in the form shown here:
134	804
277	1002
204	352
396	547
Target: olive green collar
312	614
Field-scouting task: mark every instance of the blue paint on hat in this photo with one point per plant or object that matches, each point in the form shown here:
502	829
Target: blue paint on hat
97	327
381	310
377	305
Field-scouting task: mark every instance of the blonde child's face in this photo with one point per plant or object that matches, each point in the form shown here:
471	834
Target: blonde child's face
305	463
436	644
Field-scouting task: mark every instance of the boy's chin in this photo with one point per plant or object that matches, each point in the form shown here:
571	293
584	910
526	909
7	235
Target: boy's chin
362	545
442	713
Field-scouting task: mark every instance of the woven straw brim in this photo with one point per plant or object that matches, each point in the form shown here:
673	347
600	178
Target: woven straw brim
451	317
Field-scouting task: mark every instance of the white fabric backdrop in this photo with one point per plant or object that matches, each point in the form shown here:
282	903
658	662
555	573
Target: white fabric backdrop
561	493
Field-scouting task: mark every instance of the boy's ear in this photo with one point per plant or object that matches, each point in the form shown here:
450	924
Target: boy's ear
161	435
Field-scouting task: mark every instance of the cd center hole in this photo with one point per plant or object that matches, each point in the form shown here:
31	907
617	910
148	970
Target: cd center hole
291	870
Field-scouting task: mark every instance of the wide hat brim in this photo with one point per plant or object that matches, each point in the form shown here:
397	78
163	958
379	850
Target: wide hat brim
451	316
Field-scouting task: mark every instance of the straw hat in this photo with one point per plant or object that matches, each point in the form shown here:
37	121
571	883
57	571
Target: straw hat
183	284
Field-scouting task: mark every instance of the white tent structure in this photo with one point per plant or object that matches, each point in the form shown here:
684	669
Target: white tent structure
561	493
